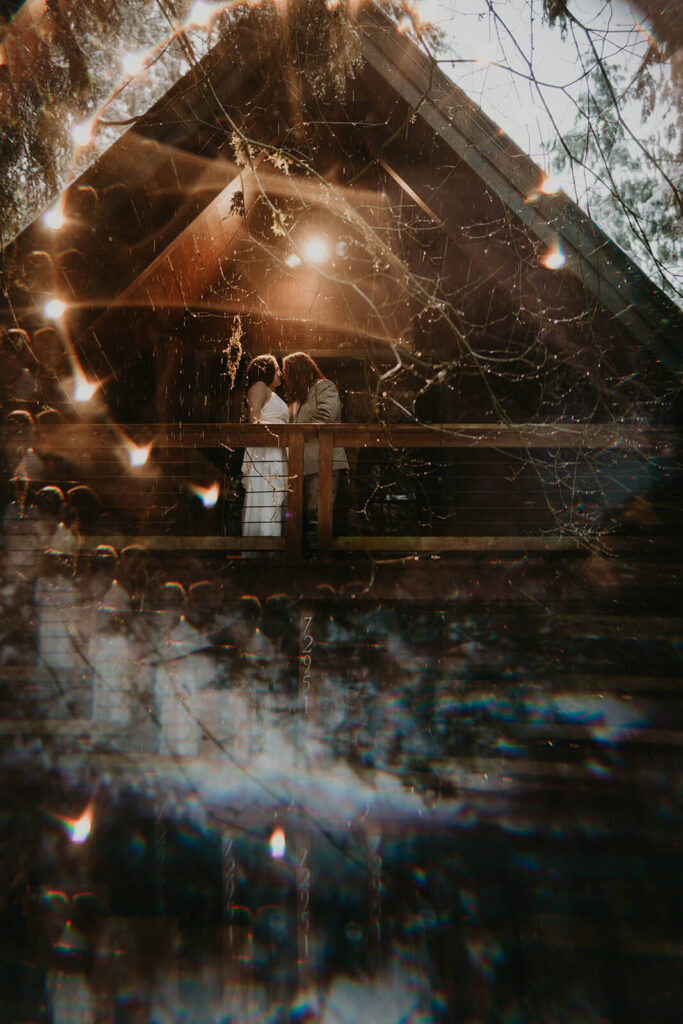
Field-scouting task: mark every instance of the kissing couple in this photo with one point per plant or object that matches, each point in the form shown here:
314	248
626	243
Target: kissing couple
310	398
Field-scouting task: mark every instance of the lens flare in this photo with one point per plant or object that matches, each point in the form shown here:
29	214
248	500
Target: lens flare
554	258
84	389
137	454
316	250
201	14
54	218
550	185
293	260
133	63
54	309
82	133
79	828
277	844
207	495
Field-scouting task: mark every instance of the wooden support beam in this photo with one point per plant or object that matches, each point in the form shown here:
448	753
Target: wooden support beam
586	436
295	497
82	442
551	542
170	542
325	495
182	273
500	435
548	543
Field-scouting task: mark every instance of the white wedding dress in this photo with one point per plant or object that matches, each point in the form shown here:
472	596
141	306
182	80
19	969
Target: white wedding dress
264	476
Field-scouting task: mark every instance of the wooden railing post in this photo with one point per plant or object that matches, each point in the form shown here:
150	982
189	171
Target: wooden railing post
94	452
295	495
325	492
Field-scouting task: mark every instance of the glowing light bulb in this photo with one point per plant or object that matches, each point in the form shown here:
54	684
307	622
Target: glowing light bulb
277	844
54	309
133	63
137	454
550	185
316	250
293	260
207	495
82	133
54	218
84	389
200	14
554	258
80	828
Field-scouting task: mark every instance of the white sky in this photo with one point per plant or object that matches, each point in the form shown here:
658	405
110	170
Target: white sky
512	35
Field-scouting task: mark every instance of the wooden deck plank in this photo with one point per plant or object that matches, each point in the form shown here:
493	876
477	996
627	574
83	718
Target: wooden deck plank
186	543
424	544
555	543
354	435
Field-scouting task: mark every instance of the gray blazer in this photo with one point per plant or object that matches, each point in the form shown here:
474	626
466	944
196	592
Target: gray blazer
321	405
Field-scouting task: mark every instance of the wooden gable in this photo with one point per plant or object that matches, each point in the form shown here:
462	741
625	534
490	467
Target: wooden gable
445	224
433	302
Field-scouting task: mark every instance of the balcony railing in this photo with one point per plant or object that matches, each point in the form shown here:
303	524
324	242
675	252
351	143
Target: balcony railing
87	447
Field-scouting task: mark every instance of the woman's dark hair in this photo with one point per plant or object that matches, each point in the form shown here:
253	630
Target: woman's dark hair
262	368
300	372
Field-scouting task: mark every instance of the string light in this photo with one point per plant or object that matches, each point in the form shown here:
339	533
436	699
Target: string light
200	14
133	63
54	309
137	454
207	495
316	250
82	133
550	185
84	389
277	844
80	828
410	20
554	258
54	218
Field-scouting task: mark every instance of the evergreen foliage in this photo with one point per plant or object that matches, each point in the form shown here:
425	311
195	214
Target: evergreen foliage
634	184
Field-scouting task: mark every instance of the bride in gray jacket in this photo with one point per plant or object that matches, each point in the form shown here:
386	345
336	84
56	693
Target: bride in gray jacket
313	399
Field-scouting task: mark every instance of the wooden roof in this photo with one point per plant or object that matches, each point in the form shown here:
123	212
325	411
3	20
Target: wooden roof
601	265
174	208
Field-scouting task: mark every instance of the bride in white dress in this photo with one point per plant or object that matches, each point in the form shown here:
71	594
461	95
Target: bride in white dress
264	469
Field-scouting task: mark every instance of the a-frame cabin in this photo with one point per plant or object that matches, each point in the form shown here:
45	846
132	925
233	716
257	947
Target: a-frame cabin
488	636
436	303
449	289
